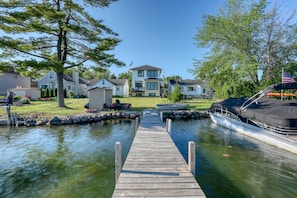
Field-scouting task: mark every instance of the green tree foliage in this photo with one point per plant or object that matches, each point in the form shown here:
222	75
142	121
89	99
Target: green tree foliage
176	95
95	73
127	75
47	93
113	76
243	39
54	35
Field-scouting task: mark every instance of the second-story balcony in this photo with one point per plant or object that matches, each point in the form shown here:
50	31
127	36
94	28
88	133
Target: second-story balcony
138	89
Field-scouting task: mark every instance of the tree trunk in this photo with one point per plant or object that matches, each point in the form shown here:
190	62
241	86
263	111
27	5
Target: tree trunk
60	95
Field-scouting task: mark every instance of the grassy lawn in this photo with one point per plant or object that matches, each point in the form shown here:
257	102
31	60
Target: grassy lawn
48	109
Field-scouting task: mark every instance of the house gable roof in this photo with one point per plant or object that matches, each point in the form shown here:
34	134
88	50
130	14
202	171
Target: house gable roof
146	67
118	82
80	80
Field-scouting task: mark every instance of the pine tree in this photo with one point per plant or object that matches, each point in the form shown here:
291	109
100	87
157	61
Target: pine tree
54	35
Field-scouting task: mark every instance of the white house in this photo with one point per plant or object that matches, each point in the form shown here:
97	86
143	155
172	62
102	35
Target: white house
119	87
146	81
73	83
192	88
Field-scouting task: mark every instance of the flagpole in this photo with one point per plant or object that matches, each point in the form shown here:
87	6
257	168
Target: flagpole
282	82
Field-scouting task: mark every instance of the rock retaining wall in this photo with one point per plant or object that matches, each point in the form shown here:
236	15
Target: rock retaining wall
185	115
97	117
78	119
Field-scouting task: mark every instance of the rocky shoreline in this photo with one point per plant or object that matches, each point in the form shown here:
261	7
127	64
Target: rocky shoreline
100	116
76	119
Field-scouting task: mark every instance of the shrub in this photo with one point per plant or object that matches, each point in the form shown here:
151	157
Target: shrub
71	94
17	97
25	100
176	95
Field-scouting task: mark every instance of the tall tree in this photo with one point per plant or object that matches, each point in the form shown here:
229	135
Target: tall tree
55	35
241	43
278	40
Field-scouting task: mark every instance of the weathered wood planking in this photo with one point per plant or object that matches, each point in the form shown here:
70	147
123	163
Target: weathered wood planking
154	166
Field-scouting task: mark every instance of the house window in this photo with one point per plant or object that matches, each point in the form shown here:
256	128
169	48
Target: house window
152	86
43	86
69	87
152	73
138	85
203	91
140	73
190	88
118	89
152	94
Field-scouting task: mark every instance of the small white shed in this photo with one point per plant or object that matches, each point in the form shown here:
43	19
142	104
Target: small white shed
98	96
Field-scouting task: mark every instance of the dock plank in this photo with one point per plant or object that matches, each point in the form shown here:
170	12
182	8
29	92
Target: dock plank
154	166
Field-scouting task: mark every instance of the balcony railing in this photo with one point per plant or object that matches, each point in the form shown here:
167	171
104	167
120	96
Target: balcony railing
138	89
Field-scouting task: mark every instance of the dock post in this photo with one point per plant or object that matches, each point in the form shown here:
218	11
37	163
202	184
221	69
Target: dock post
161	116
168	125
118	160
136	123
8	115
192	157
166	122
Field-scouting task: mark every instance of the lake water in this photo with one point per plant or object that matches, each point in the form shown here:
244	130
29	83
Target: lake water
78	160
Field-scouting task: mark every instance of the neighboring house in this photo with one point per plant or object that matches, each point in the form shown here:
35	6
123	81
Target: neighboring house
10	80
119	87
146	81
192	88
73	83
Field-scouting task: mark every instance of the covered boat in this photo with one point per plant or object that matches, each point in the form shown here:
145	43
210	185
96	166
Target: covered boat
275	115
267	119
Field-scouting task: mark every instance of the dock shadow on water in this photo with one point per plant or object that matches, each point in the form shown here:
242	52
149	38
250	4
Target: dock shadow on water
65	161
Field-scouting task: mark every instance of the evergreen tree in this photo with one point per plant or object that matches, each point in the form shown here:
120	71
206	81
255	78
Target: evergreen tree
54	35
176	95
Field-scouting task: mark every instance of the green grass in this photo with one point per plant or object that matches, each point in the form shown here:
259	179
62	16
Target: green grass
48	109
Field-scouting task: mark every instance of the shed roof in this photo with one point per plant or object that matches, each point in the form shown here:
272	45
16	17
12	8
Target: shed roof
94	88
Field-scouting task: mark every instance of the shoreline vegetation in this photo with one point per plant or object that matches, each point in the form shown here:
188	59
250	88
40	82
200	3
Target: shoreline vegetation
46	110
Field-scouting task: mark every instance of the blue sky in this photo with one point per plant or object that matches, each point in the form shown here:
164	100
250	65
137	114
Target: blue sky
159	32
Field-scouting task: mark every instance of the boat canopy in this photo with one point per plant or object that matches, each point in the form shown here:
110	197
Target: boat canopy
281	86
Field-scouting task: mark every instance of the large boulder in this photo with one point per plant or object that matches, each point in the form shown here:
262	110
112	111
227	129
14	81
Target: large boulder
54	121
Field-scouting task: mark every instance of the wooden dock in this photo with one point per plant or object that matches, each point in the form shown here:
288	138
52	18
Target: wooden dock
154	166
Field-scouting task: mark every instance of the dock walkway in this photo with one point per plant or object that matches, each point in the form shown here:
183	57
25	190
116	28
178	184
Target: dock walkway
154	166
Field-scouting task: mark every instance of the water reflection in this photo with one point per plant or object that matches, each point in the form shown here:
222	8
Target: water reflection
66	161
232	165
78	161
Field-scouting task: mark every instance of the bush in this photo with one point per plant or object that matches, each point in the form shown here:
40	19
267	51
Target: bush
176	95
25	100
71	94
17	97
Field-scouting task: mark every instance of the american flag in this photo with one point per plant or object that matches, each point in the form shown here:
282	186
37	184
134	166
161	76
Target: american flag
287	78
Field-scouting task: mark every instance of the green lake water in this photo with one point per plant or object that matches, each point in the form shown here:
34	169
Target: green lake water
78	161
